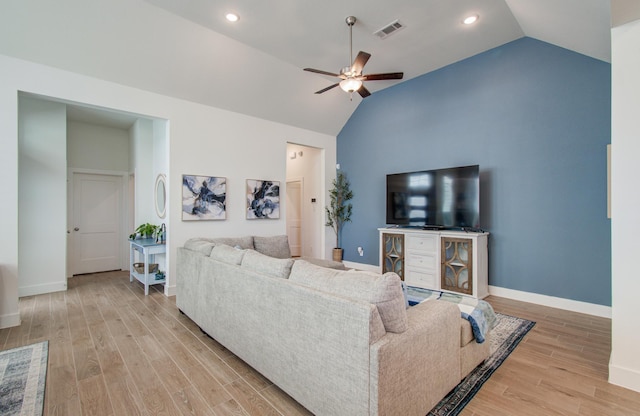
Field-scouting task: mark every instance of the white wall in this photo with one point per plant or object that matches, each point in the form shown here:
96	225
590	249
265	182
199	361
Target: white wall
202	140
42	197
90	146
308	167
141	160
624	365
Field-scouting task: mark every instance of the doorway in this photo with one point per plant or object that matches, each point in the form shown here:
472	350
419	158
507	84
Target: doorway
304	197
294	216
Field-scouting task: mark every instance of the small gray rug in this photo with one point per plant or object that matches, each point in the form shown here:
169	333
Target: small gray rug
23	372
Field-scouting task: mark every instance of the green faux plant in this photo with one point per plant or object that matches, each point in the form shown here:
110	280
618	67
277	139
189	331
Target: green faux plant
340	209
146	230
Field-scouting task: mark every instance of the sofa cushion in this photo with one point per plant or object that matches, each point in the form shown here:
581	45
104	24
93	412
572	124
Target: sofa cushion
276	246
242	242
269	266
325	263
227	254
200	245
384	291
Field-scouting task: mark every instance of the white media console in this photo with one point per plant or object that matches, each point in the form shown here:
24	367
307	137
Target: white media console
452	261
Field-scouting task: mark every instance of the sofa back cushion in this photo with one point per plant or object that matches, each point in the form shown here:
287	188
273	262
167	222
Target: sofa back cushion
227	254
200	245
276	246
242	242
266	265
384	291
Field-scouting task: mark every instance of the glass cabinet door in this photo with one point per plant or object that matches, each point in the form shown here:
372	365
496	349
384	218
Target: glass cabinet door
393	254
456	273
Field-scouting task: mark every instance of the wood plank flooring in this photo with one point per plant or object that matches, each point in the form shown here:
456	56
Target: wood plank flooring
113	351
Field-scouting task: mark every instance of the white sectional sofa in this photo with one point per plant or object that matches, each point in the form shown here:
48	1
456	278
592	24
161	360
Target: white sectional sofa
339	342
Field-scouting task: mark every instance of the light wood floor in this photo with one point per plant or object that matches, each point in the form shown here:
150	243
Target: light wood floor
113	351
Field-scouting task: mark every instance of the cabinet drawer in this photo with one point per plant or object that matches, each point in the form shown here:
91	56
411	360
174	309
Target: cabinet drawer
422	242
422	279
423	261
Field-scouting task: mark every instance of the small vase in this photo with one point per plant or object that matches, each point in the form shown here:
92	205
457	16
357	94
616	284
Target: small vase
337	254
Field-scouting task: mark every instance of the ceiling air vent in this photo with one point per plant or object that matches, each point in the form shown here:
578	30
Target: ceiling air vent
392	27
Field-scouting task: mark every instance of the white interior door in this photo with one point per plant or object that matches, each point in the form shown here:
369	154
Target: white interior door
96	222
294	216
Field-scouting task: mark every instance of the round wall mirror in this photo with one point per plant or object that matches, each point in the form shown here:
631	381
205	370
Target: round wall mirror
161	195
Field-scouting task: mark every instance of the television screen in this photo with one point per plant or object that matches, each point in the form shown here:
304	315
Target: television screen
438	198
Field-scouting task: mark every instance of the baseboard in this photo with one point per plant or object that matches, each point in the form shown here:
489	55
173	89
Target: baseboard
553	302
544	300
624	377
10	320
42	289
169	290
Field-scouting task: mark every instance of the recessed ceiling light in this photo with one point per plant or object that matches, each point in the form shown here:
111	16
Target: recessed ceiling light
470	19
232	17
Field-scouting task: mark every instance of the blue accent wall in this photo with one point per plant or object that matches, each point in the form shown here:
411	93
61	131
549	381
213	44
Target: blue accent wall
537	119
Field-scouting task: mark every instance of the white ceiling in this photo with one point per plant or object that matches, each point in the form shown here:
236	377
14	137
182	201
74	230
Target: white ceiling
186	49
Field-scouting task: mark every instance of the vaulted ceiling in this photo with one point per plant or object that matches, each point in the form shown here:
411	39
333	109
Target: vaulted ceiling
187	49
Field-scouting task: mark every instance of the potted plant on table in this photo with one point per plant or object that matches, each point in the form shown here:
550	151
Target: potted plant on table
339	210
146	230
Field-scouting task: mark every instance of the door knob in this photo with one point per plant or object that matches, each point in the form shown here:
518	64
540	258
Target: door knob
76	229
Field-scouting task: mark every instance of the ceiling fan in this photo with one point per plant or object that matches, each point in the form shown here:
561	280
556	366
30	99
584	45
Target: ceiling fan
352	76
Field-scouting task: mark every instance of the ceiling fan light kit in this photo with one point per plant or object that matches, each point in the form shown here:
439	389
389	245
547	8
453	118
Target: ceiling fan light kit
351	76
350	85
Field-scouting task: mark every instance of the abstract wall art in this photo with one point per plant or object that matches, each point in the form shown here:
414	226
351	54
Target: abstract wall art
204	198
263	199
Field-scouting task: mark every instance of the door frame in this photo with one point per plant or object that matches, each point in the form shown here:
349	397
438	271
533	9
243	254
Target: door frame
302	214
124	217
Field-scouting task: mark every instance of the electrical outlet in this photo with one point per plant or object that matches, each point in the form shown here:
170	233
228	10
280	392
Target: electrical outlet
360	251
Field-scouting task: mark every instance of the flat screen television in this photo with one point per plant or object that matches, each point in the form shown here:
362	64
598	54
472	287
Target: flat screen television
441	198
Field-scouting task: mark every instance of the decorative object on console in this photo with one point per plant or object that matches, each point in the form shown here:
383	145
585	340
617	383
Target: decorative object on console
339	210
161	235
263	199
146	230
204	198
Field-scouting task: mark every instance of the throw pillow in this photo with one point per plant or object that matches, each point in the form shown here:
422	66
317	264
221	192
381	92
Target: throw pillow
227	254
270	266
200	245
276	246
384	291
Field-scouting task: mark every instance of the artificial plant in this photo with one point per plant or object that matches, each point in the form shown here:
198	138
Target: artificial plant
340	209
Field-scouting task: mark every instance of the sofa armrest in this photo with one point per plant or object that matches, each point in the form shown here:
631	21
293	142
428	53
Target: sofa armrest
412	371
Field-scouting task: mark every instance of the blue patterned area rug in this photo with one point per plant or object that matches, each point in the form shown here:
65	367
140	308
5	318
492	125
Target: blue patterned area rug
505	337
23	372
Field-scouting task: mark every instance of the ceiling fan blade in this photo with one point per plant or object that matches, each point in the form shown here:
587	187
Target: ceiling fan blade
319	71
379	77
364	93
327	89
359	62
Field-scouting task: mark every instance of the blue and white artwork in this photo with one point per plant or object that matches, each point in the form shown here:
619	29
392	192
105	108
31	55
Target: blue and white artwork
263	199
204	198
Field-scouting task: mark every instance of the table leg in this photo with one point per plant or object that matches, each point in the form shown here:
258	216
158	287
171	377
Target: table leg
146	273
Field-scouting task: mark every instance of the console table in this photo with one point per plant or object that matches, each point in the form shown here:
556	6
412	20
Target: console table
453	261
147	249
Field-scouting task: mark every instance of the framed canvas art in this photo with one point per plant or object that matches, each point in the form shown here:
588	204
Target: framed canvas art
263	199
204	198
